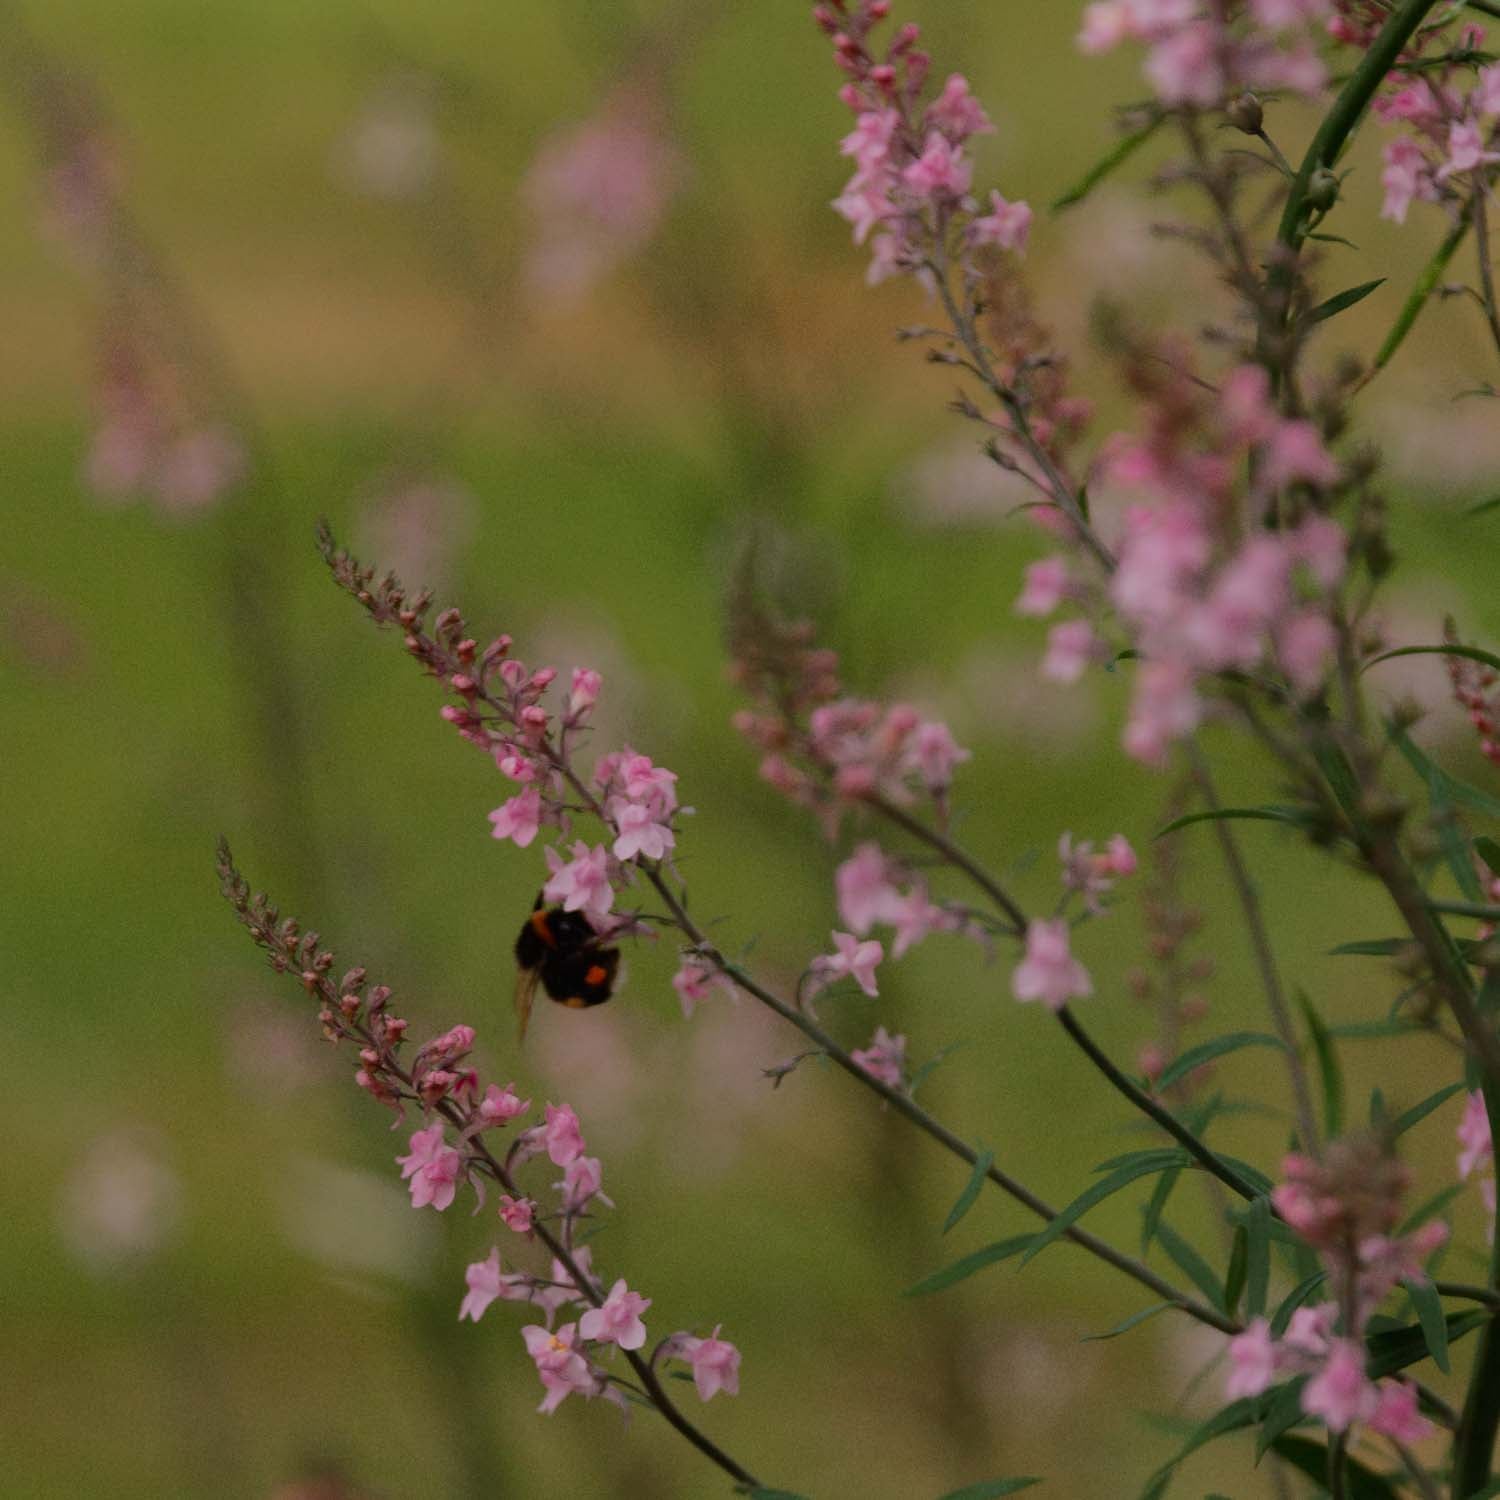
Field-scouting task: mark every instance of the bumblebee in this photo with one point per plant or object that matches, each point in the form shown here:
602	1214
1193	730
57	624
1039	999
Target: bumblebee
560	951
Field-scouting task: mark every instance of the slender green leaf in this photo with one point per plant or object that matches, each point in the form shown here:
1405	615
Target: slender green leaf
1341	300
1429	1309
1126	1324
1489	851
991	1489
1282	1413
1371	947
1104	1188
1165	1156
1395	1350
1235	1417
1431	1208
1311	1457
1328	1068
1157	1205
932	1064
1122	151
1493	503
961	1269
1370	1031
1472	652
1294	1299
965	1200
1269	814
1419	1112
1191	1264
1440	781
1234	1275
1204	1052
1257	1257
1426	284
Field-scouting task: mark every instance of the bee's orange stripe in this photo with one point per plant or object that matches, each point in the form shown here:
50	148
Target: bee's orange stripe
542	930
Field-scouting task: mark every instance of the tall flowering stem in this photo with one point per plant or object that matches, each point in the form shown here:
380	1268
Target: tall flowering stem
351	1011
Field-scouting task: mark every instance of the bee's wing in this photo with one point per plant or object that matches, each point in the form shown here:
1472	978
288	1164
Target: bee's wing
526	983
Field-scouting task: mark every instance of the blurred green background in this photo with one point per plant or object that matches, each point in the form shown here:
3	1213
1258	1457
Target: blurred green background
213	1283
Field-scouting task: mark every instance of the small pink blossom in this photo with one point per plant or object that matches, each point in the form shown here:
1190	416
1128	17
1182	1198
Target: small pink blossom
581	1183
694	981
913	917
564	1289
639	833
585	691
884	1058
1120	857
1252	1361
562	1369
654	786
932	753
1396	1413
1071	647
1007	225
517	1213
1310	1330
1305	645
519	818
1406	176
487	1283
1185	68
941	172
869	143
1339	1393
852	958
957	113
1295	451
1049	972
865	892
582	883
618	1321
562	1135
1046	587
715	1363
433	1167
501	1105
1486	95
1474	1139
1466	151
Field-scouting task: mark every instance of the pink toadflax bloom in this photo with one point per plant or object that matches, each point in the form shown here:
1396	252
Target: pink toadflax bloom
852	958
487	1283
1049	972
562	1368
884	1058
715	1363
582	883
433	1167
618	1321
562	1136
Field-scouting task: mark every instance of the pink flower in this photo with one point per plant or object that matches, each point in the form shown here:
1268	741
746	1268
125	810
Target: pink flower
1486	95
564	1290
581	884
912	918
1252	1361
1474	1135
1185	68
585	691
1339	1392
501	1105
1296	451
884	1058
1006	225
1049	972
1406	176
639	833
933	755
1070	649
865	892
487	1282
694	981
517	1213
562	1135
1164	708
562	1369
1466	151
519	818
716	1365
869	143
581	1183
864	205
1305	645
433	1167
1045	588
652	785
1311	1329
941	172
1120	857
957	113
1320	543
1396	1413
618	1321
854	958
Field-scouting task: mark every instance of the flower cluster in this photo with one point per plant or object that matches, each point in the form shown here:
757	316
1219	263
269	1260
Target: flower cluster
1474	687
912	174
884	1058
1092	873
1200	54
1197	594
1346	1208
1450	120
875	889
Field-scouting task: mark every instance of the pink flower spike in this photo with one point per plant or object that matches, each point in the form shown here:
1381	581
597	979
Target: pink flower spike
562	1135
1049	972
581	884
854	958
1007	225
517	1213
519	818
1252	1361
618	1321
1046	587
715	1363
884	1058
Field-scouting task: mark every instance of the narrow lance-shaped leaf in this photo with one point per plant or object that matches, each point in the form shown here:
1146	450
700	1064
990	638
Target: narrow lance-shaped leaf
1156	1206
1473	653
1089	1198
976	1261
1328	1068
1429	1309
991	1489
1191	1264
1426	284
1341	300
1419	1112
965	1201
1489	851
1126	1324
1204	1052
1122	151
1270	813
1257	1257
1234	1277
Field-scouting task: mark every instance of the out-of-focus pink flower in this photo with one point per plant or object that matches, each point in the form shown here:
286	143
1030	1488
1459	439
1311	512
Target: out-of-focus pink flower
866	894
1396	1413
562	1135
582	883
932	753
1339	1392
884	1058
851	957
519	818
198	467
1007	224
941	172
1475	1143
1046	587
1466	151
1406	176
1071	646
1049	972
715	1363
1252	1361
618	1321
1305	645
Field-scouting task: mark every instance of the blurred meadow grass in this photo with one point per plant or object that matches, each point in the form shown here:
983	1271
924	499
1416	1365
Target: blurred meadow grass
167	680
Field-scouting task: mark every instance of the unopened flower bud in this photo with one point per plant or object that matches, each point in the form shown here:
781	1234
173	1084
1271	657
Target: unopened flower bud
1322	189
1245	114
